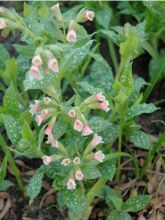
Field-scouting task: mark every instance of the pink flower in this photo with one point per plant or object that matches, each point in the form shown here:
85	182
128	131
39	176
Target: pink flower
99	156
48	129
47	100
100	97
71	36
104	106
79	175
47	159
89	15
53	64
34	108
72	113
71	183
55	8
37	61
40	118
66	162
2	23
76	161
34	73
96	140
86	130
52	141
78	125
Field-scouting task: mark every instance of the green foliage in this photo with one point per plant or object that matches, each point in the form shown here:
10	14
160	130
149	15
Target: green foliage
35	185
137	203
119	215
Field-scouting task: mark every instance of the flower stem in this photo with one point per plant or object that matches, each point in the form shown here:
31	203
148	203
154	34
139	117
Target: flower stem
113	54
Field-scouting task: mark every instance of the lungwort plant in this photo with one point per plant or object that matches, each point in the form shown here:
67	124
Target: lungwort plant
80	111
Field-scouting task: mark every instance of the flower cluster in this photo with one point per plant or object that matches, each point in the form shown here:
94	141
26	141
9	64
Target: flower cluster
37	63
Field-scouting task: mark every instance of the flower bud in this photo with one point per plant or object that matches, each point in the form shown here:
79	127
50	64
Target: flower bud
34	108
71	183
86	130
34	73
71	36
57	12
37	61
53	64
48	129
72	113
78	125
47	159
79	175
66	162
89	15
99	156
96	140
77	161
2	23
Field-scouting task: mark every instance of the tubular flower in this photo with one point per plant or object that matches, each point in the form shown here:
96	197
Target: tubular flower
71	36
99	156
55	8
53	64
100	97
40	118
2	23
79	175
52	141
86	130
48	129
37	61
89	15
66	162
78	125
72	113
104	106
47	159
71	183
47	100
34	73
96	140
34	108
76	161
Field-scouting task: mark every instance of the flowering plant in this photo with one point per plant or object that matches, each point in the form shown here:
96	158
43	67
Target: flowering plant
74	120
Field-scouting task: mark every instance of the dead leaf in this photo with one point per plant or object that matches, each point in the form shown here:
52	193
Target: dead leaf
7	204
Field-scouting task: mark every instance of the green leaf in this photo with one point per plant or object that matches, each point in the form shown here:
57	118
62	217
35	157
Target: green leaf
59	128
139	138
101	75
111	198
89	88
25	50
27	133
107	169
74	59
110	134
11	71
140	109
13	128
127	80
74	200
47	80
10	102
3	168
103	17
119	215
91	172
98	124
35	185
137	203
4	55
4	185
